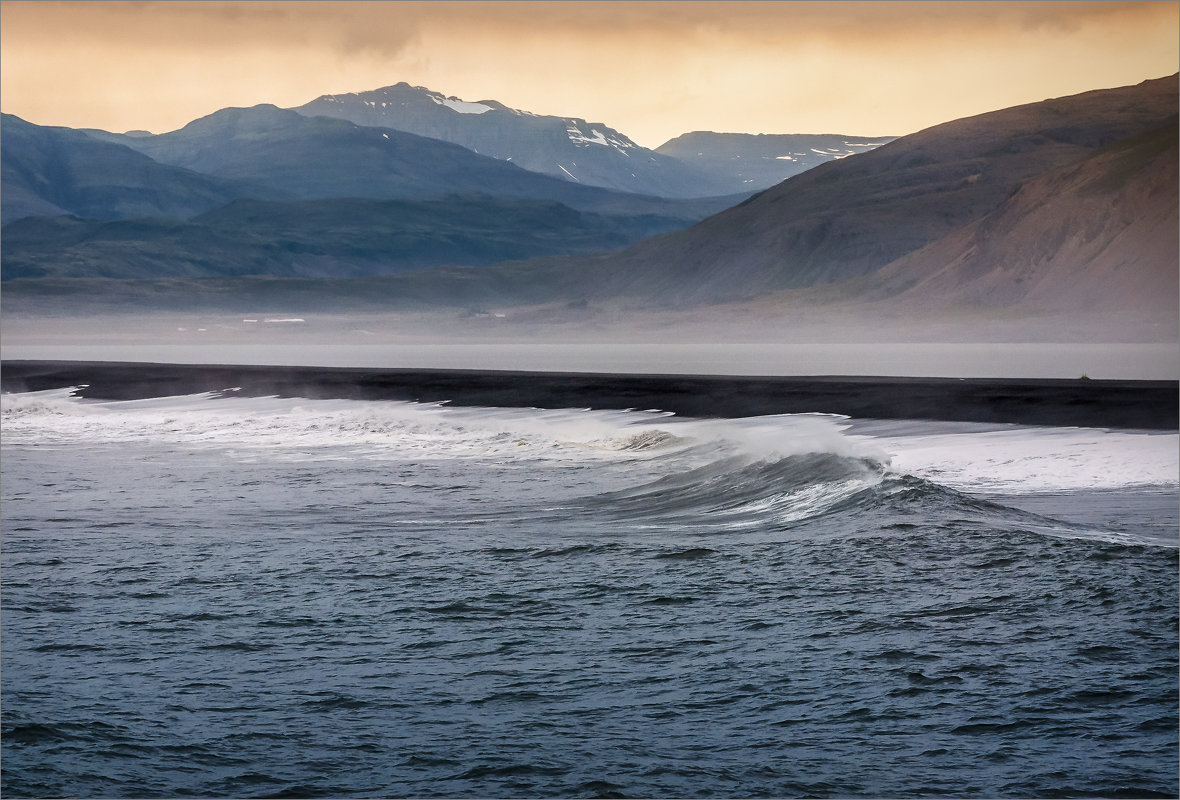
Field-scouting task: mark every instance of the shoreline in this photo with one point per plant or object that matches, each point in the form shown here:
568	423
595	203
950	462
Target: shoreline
1138	404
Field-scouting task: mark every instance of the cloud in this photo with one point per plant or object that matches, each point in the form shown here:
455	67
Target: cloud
652	69
387	27
194	26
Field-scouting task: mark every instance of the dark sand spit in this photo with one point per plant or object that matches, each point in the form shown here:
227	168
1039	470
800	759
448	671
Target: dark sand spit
1075	402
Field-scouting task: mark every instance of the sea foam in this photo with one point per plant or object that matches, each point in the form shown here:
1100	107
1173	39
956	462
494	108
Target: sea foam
1010	459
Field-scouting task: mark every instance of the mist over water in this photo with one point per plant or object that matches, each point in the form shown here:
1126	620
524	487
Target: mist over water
706	341
264	596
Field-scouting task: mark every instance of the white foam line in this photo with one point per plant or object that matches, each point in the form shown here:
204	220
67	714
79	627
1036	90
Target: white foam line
1026	460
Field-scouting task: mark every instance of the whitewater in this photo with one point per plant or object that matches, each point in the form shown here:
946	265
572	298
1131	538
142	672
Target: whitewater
216	595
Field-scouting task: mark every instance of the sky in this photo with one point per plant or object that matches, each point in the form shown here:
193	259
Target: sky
652	70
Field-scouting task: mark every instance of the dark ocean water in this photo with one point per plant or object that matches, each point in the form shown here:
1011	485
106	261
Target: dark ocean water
263	597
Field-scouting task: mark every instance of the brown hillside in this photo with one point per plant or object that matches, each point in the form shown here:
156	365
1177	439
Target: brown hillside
849	218
1098	233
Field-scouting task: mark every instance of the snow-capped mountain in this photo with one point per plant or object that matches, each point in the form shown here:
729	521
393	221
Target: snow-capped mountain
571	148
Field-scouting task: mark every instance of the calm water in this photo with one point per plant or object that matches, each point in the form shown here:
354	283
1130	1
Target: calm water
262	597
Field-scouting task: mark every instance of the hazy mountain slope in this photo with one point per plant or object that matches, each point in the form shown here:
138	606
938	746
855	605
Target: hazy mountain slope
49	171
19	200
846	219
1098	233
759	161
319	157
329	238
568	148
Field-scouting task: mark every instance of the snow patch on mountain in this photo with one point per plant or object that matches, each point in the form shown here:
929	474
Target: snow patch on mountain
833	152
455	104
581	138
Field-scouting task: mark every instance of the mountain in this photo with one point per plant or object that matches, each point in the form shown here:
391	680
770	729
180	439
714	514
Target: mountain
747	161
50	171
321	157
1067	206
847	219
569	148
340	238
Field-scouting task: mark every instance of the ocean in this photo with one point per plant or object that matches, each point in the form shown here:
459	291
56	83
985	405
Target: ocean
226	596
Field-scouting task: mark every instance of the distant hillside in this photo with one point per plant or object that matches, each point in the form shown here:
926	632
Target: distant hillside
758	161
338	238
49	171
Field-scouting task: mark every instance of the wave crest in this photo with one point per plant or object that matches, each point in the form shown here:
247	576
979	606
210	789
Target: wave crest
738	491
48	403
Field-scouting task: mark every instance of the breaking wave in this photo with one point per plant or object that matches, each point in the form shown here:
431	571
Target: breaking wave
649	467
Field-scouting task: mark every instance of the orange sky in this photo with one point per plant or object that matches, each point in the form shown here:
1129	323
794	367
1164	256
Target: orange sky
653	70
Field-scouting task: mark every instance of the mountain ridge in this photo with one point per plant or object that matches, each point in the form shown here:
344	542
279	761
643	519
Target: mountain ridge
567	148
50	171
320	157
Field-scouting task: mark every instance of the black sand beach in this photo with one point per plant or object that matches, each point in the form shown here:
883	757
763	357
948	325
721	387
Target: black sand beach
1077	402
